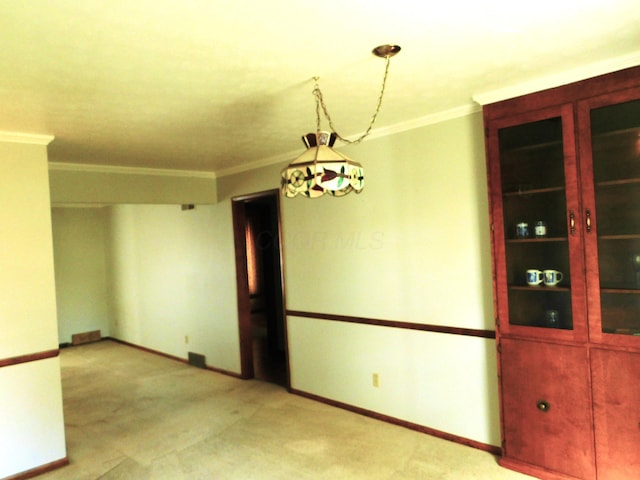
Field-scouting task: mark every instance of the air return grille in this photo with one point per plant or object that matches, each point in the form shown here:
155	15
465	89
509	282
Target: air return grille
196	360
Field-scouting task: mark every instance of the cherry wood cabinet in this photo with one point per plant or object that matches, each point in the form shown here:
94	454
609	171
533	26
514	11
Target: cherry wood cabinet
547	409
564	184
616	399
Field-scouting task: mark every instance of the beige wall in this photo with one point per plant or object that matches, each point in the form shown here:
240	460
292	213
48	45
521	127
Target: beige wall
32	427
413	247
26	276
97	185
81	270
172	281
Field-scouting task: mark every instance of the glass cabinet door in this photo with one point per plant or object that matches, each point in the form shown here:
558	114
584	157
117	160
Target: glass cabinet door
539	201
612	157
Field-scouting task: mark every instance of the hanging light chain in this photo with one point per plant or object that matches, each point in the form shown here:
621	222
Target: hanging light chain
320	103
318	94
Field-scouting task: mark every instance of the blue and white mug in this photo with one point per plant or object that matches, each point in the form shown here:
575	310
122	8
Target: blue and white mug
534	277
522	230
552	277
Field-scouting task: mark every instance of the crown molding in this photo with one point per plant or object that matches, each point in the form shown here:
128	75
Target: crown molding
479	99
265	162
78	167
563	78
431	119
31	138
79	205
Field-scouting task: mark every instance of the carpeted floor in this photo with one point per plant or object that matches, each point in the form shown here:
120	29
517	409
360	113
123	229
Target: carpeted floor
134	415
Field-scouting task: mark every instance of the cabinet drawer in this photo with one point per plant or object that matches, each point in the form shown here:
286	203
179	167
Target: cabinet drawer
546	407
616	395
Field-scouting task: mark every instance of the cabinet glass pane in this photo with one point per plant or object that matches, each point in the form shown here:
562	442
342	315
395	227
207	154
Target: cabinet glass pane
534	209
615	142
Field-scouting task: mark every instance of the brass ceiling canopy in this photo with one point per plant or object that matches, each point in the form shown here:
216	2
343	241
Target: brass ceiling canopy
386	51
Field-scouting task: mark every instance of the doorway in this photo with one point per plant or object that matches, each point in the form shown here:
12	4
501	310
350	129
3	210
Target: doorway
260	287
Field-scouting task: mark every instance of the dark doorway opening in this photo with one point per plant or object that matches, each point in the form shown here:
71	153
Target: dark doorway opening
263	338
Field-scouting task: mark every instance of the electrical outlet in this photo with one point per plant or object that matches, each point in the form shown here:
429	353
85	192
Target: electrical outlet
186	339
376	380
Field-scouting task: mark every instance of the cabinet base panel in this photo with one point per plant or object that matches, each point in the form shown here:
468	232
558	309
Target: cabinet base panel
534	471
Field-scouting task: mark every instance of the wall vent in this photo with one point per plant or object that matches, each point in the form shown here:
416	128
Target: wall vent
86	337
197	360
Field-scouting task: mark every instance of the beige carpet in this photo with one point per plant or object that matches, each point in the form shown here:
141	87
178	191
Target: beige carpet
135	415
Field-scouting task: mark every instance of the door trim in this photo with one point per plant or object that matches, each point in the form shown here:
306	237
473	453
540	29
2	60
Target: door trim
238	211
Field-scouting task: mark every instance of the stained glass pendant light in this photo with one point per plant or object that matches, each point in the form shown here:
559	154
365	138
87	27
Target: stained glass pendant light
321	169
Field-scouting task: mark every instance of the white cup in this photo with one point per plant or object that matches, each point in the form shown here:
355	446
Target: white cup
534	277
552	277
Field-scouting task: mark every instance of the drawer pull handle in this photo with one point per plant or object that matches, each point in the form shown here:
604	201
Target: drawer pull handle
543	406
588	221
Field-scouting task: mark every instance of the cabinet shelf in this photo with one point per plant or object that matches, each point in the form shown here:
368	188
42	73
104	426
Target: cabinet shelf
615	183
619	291
533	147
541	288
626	236
539	240
523	192
616	133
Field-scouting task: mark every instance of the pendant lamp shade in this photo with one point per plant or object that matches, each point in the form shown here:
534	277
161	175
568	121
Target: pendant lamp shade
321	169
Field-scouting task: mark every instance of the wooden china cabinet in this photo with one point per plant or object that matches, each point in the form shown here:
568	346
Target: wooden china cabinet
564	186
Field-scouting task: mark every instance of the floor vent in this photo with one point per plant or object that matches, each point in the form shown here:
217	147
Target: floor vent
196	360
86	337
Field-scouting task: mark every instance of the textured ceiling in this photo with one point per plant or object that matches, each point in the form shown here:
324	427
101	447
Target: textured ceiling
218	85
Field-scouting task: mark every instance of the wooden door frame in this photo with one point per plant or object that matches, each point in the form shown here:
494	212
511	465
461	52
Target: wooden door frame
238	211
